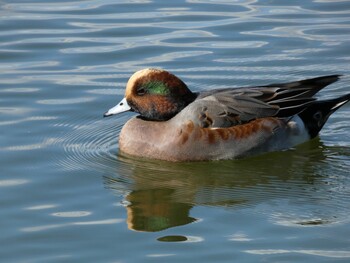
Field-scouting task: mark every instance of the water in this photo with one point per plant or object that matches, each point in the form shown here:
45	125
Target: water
67	195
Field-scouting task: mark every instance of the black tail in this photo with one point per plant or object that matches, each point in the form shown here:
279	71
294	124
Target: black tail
316	115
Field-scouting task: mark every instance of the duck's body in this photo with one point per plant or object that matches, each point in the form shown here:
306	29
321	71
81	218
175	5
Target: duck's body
174	140
178	125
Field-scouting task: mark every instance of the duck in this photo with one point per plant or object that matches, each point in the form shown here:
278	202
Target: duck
178	125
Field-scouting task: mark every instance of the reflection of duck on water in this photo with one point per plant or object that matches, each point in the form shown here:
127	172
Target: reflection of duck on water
160	195
154	210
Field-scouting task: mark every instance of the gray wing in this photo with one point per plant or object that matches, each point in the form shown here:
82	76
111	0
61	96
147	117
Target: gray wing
233	106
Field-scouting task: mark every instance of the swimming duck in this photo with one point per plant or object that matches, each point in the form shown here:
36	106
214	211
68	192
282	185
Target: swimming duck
176	124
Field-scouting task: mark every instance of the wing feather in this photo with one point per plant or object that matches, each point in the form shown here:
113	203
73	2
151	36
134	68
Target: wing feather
233	106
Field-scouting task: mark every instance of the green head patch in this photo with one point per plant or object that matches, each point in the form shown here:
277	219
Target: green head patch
157	88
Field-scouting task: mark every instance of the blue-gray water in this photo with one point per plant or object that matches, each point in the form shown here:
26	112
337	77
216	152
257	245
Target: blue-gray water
68	196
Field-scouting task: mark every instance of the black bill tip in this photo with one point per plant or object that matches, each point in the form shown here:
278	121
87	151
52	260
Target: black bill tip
106	114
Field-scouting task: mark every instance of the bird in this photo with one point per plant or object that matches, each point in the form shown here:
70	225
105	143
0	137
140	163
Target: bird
178	125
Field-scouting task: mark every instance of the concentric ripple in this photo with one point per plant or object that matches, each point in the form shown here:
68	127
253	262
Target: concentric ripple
91	145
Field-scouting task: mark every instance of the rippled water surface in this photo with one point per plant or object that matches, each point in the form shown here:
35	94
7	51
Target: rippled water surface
67	195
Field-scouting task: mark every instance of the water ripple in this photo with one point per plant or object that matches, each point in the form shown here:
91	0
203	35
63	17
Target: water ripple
90	145
12	182
67	6
321	253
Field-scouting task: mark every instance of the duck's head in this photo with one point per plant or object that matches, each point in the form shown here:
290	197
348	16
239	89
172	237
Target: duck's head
155	94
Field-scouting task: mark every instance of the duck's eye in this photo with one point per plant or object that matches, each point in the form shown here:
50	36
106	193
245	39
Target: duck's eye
318	115
141	91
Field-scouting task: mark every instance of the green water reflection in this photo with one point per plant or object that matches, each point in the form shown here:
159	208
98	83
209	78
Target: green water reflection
160	195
